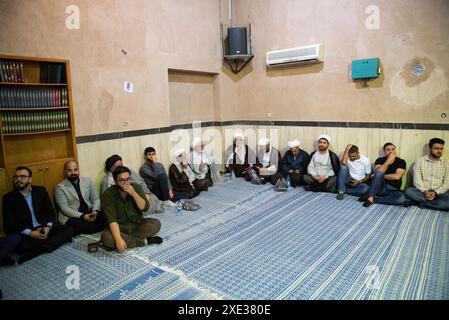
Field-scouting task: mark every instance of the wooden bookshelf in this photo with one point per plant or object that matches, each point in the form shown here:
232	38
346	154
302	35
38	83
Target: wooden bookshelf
36	120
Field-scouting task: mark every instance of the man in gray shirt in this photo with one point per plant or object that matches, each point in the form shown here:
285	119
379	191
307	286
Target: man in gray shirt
155	177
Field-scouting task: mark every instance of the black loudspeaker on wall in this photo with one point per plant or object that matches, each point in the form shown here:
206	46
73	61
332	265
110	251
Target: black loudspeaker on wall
237	41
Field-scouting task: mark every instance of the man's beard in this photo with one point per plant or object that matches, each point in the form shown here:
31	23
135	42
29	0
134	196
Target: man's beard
73	177
436	156
322	148
19	187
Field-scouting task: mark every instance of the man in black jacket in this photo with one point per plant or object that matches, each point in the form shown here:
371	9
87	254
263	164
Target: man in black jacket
28	211
294	163
323	168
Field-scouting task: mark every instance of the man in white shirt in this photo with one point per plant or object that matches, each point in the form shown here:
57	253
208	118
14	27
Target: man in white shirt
355	170
431	179
323	168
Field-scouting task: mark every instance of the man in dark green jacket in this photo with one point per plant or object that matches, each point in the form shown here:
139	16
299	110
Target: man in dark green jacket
123	205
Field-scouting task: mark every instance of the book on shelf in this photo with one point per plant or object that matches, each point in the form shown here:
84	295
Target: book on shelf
34	121
12	71
53	73
2	74
32	98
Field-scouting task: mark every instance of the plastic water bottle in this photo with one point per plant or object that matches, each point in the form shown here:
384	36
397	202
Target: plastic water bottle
179	207
288	182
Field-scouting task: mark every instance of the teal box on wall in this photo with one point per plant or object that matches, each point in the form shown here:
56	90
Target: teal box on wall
365	68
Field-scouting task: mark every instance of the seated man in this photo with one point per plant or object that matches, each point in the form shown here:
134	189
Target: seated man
431	179
78	202
183	179
155	176
386	182
123	205
200	163
294	163
239	158
7	245
323	168
355	170
28	210
268	162
115	161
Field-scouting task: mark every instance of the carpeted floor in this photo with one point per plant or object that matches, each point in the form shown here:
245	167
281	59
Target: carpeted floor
249	242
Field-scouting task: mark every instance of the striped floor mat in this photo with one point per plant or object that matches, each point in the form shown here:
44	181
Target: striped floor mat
249	242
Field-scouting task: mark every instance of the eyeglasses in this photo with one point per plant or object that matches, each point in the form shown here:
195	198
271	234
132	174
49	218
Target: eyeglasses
124	180
20	177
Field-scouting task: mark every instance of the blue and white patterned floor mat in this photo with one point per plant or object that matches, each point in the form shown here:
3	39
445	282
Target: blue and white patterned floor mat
249	242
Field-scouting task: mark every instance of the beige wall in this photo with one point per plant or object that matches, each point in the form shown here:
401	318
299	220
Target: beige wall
411	30
191	97
162	34
157	35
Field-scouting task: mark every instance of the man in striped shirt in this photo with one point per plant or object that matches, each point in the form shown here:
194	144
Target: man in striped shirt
431	179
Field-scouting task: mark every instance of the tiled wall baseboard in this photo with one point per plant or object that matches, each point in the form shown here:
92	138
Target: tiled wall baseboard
372	125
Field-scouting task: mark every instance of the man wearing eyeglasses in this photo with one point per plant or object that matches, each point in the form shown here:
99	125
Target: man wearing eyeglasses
123	205
28	211
116	161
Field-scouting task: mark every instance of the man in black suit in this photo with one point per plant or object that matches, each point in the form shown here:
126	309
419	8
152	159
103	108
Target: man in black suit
28	211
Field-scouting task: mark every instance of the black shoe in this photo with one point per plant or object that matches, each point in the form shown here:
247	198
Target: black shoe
94	246
155	239
29	255
367	203
8	261
307	188
363	198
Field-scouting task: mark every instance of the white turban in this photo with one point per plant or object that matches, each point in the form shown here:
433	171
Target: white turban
293	143
325	137
195	142
264	141
238	135
178	152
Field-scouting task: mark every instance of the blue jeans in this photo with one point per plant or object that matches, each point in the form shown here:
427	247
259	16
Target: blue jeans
441	202
344	178
384	193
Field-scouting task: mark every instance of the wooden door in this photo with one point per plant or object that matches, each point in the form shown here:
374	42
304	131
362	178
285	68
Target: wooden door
3	190
53	174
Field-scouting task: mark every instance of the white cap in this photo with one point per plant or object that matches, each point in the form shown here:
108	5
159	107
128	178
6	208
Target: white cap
325	137
178	152
293	143
239	135
195	142
264	141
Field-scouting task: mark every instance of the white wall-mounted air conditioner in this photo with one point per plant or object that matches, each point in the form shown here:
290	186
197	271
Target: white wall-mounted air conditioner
294	56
